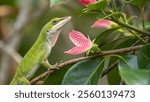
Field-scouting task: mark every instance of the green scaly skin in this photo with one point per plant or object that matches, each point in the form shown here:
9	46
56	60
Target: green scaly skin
39	52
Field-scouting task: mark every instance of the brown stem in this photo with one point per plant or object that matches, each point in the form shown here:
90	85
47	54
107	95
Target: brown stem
132	27
111	67
62	65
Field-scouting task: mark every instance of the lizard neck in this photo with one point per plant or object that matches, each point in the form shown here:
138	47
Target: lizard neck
41	38
52	37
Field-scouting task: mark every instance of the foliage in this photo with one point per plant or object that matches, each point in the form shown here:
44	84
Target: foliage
131	70
85	72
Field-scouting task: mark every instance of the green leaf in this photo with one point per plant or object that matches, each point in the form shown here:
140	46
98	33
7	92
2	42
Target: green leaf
84	72
144	57
134	76
121	42
55	2
138	3
100	5
130	61
102	35
131	74
113	76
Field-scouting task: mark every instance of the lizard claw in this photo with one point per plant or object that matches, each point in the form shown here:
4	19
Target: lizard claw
56	66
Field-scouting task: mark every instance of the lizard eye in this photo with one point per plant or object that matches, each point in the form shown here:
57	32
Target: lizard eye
54	22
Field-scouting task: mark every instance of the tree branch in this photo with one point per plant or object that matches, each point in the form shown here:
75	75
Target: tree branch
62	65
11	52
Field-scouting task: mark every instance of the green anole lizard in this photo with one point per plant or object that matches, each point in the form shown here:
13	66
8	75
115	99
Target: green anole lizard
40	51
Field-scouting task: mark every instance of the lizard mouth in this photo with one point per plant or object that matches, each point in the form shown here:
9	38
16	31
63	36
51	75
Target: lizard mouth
60	24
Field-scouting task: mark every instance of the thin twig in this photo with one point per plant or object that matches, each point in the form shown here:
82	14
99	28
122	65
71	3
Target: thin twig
132	27
62	65
142	17
111	67
11	52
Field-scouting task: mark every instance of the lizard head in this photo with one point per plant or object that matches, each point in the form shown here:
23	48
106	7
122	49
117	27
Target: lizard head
53	28
56	24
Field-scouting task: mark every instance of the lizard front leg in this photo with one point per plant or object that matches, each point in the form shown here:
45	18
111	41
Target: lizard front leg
46	64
